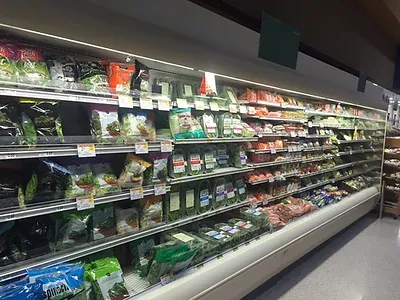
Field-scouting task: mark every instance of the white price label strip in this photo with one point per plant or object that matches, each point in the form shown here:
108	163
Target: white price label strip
181	103
273	150
233	108
252	110
166	146
141	148
136	193
199	105
214	106
160	189
125	101
84	202
86	150
146	103
243	109
163	105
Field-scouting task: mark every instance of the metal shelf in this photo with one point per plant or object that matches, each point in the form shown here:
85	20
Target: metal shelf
275	119
215	140
216	173
274	178
269	150
46	208
358	152
273	163
272	134
339	167
340	142
323	148
329	114
316	136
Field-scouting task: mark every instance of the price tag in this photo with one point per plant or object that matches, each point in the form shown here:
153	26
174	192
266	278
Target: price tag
86	150
160	189
10	156
181	103
252	110
166	146
85	202
136	193
273	150
214	106
141	148
310	124
163	105
243	109
351	152
125	101
321	125
265	202
167	278
271	179
293	133
146	103
46	154
199	105
233	108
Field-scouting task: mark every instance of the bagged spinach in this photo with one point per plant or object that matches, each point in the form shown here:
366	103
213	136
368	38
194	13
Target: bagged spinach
127	220
132	175
81	181
138	126
209	125
188	196
219	195
105	180
10	130
62	71
103	222
224	240
222	156
209	158
31	66
235	232
142	255
108	282
75	230
241	188
151	212
92	75
141	77
22	291
46	120
105	126
237	128
204	197
251	229
238	156
173	205
178	163
8	69
225	125
230	191
195	163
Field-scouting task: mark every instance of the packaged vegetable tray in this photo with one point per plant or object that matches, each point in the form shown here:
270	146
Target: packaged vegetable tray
224	240
219	193
178	163
195	163
204	197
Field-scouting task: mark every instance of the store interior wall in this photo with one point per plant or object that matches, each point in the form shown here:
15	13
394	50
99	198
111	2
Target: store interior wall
182	32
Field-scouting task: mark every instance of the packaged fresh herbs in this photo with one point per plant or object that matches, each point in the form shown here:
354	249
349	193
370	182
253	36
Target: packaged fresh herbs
103	222
219	195
209	158
195	163
105	126
132	174
178	163
204	197
105	180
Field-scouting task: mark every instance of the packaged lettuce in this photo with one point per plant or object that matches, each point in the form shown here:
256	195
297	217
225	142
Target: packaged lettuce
195	163
219	195
251	229
105	126
103	222
230	191
138	126
62	71
8	69
151	211
209	158
238	156
132	174
81	181
10	130
185	91
142	255
207	121
75	230
224	240
108	282
93	75
235	232
188	196
31	66
120	77
225	125
230	94
204	197
174	208
140	79
127	220
105	180
178	163
222	156
180	123
159	169
161	262
237	128
241	188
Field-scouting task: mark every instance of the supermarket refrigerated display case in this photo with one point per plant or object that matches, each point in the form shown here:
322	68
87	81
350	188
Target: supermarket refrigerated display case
205	179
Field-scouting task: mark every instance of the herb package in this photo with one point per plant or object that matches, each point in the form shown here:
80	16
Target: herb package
195	163
219	193
188	196
138	126
103	222
151	211
178	163
209	158
81	181
132	174
31	66
105	180
127	220
105	126
204	197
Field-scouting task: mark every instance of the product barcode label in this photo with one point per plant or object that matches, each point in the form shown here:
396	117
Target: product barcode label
181	103
166	146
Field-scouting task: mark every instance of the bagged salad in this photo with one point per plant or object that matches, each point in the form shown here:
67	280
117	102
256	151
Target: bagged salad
120	77
105	180
141	77
195	163
132	174
207	121
151	211
178	163
31	66
204	197
10	130
142	255
11	193
92	75
103	222
127	220
22	290
209	157
105	126
138	126
219	193
173	205
8	69
183	125
62	71
159	170
81	181
75	230
225	125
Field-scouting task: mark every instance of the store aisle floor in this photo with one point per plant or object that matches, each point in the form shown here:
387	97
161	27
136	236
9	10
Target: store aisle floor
361	262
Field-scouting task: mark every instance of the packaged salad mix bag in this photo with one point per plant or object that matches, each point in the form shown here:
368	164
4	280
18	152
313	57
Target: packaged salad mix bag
8	68
132	175
105	126
31	66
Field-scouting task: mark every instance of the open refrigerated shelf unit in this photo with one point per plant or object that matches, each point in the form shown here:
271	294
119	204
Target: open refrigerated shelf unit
243	183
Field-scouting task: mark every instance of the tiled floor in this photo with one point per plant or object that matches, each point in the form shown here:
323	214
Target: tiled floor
362	262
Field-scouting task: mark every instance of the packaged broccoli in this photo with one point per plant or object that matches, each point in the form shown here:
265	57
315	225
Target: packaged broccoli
108	282
105	180
195	163
241	188
225	125
127	220
222	156
237	128
132	174
238	156
31	66
8	68
204	197
219	195
105	125
74	231
81	181
10	130
251	229
151	211
224	240
238	234
142	255
209	158
173	205
137	126
207	121
188	196
103	222
230	191
93	76
178	163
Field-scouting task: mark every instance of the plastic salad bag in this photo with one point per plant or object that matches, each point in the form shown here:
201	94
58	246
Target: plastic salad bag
10	189
225	125
62	71
127	220
120	76
209	125
204	197
180	261
81	181
138	126
10	130
132	174
75	230
237	128
142	255
222	156
180	123
22	291
29	131
151	212
230	191
209	158
93	75
105	180
174	209
103	222
195	163
108	282
140	79
219	195
238	156
188	195
8	69
178	163
45	118
159	169
105	126
31	66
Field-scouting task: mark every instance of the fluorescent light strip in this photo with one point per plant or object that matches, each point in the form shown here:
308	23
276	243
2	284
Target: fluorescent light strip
94	46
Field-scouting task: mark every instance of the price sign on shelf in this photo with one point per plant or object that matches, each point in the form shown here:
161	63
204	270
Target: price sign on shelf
181	103
84	202
243	109
293	133
271	179
214	106
273	150
252	110
310	124
125	101
163	104
86	150
146	103
199	105
160	189
136	193
141	148
233	108
166	146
